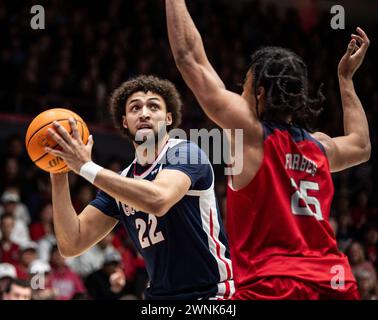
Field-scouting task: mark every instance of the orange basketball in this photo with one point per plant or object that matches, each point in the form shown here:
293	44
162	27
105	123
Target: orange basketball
37	138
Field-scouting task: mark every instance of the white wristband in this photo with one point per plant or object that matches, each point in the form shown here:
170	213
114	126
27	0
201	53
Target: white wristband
89	171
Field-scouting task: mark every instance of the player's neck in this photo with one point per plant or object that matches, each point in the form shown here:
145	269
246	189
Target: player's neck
283	120
146	155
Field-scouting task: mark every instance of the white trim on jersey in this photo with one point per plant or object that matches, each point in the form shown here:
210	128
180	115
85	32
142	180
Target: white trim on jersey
210	224
124	174
171	143
199	193
225	290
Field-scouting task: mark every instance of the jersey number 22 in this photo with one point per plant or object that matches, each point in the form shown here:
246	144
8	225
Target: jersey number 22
150	237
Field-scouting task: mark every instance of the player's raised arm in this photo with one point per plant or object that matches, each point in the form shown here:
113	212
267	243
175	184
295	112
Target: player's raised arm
354	147
225	108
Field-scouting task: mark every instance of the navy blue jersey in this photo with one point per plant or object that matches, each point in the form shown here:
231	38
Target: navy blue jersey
185	251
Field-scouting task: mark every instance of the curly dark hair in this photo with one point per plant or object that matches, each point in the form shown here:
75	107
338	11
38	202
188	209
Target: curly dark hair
283	75
144	83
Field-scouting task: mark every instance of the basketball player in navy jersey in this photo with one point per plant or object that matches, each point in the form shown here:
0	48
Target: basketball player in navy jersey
282	246
167	204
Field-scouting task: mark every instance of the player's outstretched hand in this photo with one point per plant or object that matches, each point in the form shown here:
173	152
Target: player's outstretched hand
355	54
72	149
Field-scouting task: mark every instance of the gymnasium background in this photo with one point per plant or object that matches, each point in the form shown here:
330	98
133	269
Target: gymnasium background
89	47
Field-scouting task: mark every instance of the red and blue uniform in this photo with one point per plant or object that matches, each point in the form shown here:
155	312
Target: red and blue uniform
282	245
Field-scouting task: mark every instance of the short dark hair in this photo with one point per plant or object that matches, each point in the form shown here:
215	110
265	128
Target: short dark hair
143	83
17	282
283	75
6	216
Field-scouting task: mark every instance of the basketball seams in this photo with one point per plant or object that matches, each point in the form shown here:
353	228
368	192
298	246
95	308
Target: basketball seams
45	154
45	125
57	145
38	131
56	170
59	170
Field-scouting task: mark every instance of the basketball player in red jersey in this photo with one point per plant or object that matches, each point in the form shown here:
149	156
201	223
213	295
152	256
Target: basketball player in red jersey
282	245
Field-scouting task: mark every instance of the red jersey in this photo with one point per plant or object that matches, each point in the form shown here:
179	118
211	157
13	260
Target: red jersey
278	224
9	252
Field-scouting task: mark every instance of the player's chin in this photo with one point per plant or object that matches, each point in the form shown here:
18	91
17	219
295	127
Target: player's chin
145	135
145	132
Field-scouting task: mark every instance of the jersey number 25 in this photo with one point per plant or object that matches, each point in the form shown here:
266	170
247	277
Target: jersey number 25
301	194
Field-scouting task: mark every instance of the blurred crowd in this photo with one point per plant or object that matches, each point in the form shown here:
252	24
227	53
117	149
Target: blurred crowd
87	49
28	248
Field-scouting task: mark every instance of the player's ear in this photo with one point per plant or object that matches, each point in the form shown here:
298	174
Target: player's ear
260	93
169	118
124	122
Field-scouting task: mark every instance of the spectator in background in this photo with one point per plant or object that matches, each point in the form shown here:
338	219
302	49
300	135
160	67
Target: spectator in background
371	244
38	192
366	285
345	232
28	253
44	226
45	245
107	283
84	195
43	232
66	282
9	251
15	148
17	290
132	261
7	273
363	270
11	205
11	174
360	210
92	259
40	277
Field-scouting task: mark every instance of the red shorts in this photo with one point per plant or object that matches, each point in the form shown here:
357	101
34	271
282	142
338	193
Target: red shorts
282	288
